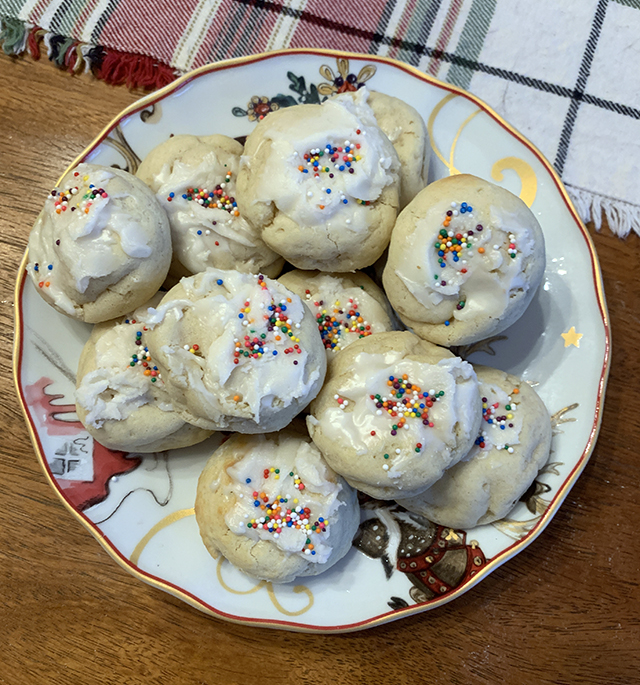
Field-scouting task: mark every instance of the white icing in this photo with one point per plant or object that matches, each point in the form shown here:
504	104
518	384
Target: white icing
368	376
491	278
115	390
104	243
328	296
188	217
320	495
300	195
498	435
269	382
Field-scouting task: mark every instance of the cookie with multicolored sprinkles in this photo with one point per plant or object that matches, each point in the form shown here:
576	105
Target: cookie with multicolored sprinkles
120	394
512	446
236	351
272	506
465	260
321	184
394	413
101	246
347	307
194	178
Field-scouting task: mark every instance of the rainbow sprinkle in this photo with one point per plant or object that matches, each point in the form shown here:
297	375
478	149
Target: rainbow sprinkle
340	320
452	246
277	515
273	327
142	358
491	413
406	401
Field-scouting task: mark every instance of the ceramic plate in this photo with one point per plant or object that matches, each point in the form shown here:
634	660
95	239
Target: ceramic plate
140	507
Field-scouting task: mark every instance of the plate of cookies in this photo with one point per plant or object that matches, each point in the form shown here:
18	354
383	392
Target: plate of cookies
311	340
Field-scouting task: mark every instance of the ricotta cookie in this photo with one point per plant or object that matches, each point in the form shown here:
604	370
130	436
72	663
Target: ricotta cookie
194	179
394	413
347	307
273	507
237	351
405	128
465	259
101	246
321	184
513	445
120	395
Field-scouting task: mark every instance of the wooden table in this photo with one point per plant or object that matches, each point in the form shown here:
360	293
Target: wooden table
565	610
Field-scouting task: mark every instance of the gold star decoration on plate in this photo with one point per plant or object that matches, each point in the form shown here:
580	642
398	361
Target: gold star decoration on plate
571	337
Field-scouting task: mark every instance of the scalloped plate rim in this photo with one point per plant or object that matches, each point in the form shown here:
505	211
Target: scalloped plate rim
503	556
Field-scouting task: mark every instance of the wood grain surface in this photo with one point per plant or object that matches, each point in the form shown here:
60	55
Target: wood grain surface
565	610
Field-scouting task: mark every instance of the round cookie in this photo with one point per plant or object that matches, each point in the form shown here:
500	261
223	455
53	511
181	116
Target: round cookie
120	397
321	184
394	413
514	444
236	351
347	307
101	246
271	505
465	260
194	178
405	128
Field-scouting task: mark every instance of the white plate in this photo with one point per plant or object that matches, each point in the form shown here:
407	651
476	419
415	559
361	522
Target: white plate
140	508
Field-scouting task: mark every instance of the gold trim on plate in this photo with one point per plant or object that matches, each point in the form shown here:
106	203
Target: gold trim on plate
454	91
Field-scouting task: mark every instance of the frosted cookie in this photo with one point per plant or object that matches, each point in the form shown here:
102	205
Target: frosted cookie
236	351
101	246
194	179
394	413
405	128
120	395
321	184
513	445
465	259
347	307
273	507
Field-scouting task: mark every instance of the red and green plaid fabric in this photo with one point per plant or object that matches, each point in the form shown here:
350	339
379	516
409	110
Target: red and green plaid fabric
561	71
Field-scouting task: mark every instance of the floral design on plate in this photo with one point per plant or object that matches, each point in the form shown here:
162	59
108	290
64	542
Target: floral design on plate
341	82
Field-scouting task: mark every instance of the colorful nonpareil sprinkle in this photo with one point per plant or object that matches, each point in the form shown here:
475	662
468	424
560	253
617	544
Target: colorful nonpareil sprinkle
63	200
453	247
404	401
498	418
337	320
273	327
141	357
331	159
218	198
278	514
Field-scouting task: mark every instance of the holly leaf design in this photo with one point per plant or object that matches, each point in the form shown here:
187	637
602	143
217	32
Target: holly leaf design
298	84
312	97
284	100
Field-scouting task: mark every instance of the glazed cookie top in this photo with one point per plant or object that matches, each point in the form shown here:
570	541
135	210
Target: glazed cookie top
288	496
347	307
100	226
513	444
321	181
399	412
464	249
194	179
328	163
235	347
125	377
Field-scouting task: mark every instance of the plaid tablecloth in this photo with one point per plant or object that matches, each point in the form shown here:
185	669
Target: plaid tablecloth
564	72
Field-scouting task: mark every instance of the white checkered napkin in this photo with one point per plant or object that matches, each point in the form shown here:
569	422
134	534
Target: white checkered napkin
566	75
564	72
